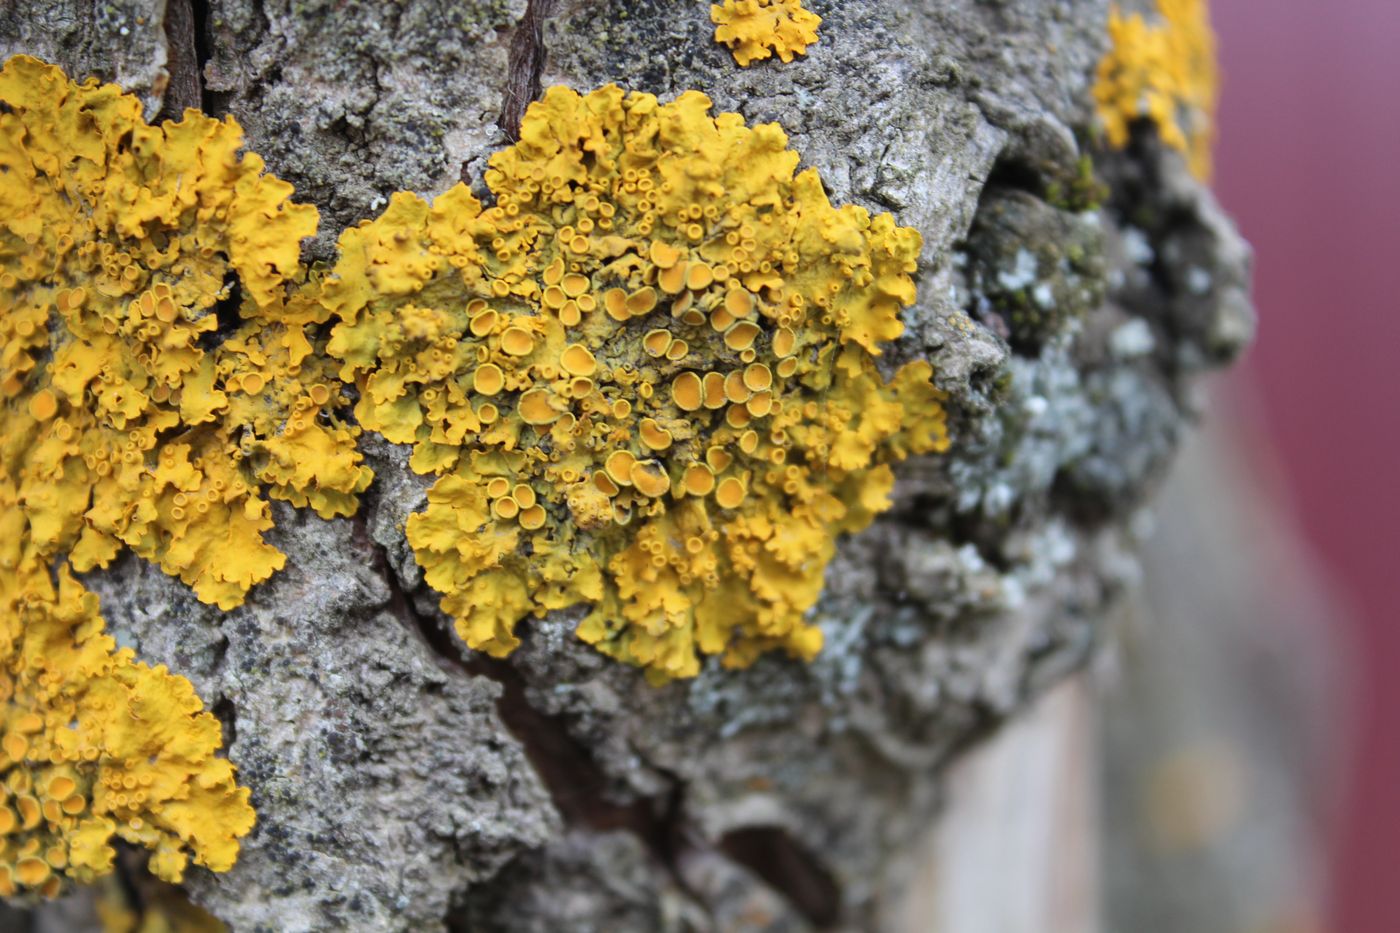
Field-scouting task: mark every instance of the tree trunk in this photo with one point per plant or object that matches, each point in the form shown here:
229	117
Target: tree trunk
403	782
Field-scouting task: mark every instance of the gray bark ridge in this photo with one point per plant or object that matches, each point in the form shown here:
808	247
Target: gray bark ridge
402	782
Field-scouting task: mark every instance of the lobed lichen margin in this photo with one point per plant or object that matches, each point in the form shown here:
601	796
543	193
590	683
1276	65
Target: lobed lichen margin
142	407
646	378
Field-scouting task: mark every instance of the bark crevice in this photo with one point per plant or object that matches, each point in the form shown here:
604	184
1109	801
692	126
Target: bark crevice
186	53
577	785
789	868
527	54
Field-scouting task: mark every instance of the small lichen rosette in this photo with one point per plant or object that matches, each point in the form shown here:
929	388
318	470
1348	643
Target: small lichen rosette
1164	70
95	746
646	376
755	30
130	415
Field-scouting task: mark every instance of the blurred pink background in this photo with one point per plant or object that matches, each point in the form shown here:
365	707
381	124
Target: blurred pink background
1309	165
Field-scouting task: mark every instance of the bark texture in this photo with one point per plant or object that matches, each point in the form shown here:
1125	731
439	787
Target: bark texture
401	781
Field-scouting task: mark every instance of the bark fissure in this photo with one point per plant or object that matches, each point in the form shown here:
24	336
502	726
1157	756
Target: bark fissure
576	784
789	868
400	605
527	53
227	714
203	52
184	57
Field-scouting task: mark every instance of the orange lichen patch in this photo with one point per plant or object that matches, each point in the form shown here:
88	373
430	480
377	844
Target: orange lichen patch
1165	71
619	467
692	486
484	322
729	494
132	416
641	302
650	478
758	29
664	255
757	377
734	389
43	405
698	277
128	416
96	746
615	303
739	303
672	280
657	342
536	407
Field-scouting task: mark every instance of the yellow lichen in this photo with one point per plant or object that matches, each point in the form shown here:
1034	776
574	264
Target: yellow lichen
646	377
1165	71
131	415
757	29
95	746
128	417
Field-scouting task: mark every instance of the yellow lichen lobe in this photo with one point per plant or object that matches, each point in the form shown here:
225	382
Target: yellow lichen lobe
693	497
1164	71
755	30
142	405
96	746
131	414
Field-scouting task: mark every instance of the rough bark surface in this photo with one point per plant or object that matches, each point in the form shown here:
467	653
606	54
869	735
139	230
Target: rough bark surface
401	781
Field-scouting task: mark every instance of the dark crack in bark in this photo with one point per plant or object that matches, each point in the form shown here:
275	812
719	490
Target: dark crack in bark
184	57
227	714
574	780
527	54
789	868
427	632
576	784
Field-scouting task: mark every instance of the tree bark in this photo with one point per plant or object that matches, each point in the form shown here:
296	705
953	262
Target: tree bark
403	782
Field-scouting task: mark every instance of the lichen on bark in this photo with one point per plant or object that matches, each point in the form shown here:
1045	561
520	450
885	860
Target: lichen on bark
403	782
